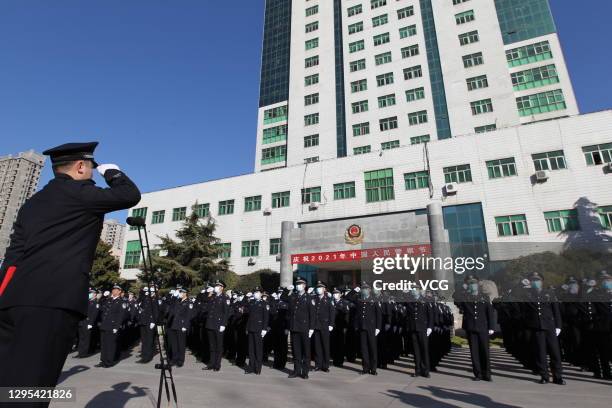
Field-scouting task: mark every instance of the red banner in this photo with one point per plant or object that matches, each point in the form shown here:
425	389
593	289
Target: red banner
360	254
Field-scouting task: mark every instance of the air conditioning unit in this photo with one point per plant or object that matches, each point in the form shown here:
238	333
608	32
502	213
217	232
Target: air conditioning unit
267	211
608	168
251	262
278	257
313	206
541	176
450	188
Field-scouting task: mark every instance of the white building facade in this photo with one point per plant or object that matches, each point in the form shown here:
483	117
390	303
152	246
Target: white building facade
113	233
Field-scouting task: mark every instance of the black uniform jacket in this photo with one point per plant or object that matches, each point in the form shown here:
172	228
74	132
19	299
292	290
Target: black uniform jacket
477	313
259	315
541	311
218	312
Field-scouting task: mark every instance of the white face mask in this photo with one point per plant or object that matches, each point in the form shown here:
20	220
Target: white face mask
218	289
240	298
300	287
337	296
319	291
573	288
91	296
257	295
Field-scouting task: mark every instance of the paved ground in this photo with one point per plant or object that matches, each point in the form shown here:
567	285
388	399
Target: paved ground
133	385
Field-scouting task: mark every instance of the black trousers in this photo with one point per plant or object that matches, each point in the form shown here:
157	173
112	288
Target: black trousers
215	342
300	343
420	348
177	339
321	343
369	351
35	342
255	352
337	347
546	342
599	351
280	348
108	346
479	352
147	342
84	340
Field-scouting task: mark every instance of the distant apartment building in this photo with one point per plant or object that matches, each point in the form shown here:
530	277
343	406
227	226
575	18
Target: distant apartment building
112	234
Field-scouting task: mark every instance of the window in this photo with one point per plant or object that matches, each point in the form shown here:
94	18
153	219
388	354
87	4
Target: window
139	212
362	149
311	119
343	191
226	207
383	58
381	39
250	248
598	154
408	31
179	214
311	11
355	28
311	99
252	203
416	180
310	141
312	27
535	77
473	60
361	129
353	11
482	106
311	80
275	115
357	65
225	250
458	174
311	195
605	215
529	53
379	185
386	100
501	168
359	86
394	144
388	123
356	46
273	154
313	43
380	20
549	160
541	103
132	254
361	106
511	225
405	12
275	246
477	82
158	217
415	94
464	17
311	61
420	139
416	118
468	38
280	199
377	3
485	128
202	210
413	72
564	220
384	79
410	51
275	134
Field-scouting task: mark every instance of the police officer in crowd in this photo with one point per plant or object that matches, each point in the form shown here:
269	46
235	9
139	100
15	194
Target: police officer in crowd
324	316
88	325
179	321
217	311
301	322
113	315
367	325
147	315
257	328
418	325
342	309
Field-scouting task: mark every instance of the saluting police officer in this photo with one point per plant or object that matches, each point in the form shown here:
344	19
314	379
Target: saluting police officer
257	324
301	326
218	311
325	315
88	325
367	323
45	274
418	326
179	322
147	317
114	313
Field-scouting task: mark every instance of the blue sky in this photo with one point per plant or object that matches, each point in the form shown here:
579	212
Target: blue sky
170	88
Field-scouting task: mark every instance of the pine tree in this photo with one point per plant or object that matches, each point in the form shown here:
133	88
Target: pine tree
105	269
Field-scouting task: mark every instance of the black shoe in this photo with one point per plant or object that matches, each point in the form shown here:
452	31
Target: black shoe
305	376
543	381
247	371
207	368
476	378
317	369
489	379
101	365
325	370
559	381
426	375
363	372
214	369
179	364
415	375
293	375
373	372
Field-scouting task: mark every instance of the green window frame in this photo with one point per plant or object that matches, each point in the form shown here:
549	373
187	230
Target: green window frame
132	254
311	140
311	79
413	72
383	58
380	20
501	168
360	129
354	10
381	39
481	106
379	185
311	99
511	225
405	12
249	248
458	174
226	207
387	123
416	180
312	43
468	38
355	28
224	250
359	86
360	106
393	144
357	65
202	210
410	51
275	246
158	217
534	77
384	79
274	154
356	46
179	214
597	154
528	54
139	212
605	216
377	3
549	160
465	17
473	60
252	203
311	195
343	191
407	31
420	139
386	101
274	134
477	82
310	27
485	128
311	11
274	115
417	118
311	61
562	220
281	199
311	119
362	149
415	94
543	102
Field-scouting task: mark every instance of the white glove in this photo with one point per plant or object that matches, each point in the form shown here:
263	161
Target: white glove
114	331
399	330
310	290
387	327
376	331
103	167
183	329
263	333
394	329
89	326
330	328
310	333
290	287
557	331
151	326
357	289
221	329
428	331
286	332
491	332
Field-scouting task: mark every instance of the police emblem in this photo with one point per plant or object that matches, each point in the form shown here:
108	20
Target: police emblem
353	235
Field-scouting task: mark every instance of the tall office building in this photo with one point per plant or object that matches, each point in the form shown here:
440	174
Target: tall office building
345	77
19	176
112	234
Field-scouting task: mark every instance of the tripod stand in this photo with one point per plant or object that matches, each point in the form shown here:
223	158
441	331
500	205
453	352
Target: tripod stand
166	380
